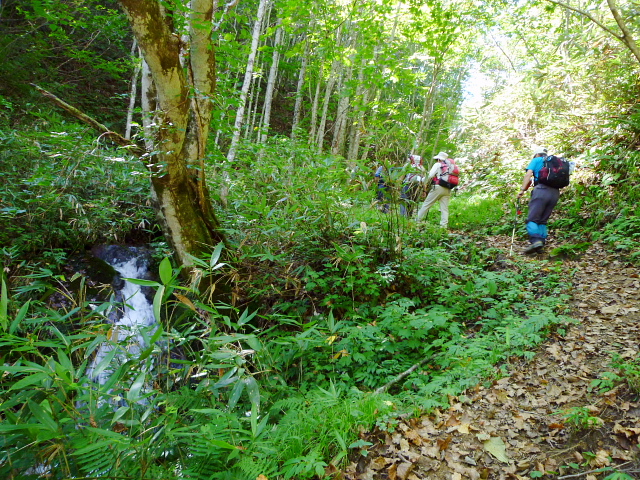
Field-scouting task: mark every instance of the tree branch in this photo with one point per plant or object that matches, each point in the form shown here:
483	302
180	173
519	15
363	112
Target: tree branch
589	16
404	374
227	7
116	137
626	38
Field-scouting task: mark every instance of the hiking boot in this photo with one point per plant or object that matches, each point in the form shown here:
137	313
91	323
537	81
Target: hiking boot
534	247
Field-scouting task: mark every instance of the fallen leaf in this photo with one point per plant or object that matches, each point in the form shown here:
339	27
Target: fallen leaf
443	444
463	428
379	463
496	447
403	470
628	432
392	471
601	459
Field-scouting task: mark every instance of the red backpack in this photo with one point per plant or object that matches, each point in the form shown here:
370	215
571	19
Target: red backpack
449	176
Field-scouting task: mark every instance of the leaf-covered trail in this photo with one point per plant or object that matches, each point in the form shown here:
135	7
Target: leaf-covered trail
514	429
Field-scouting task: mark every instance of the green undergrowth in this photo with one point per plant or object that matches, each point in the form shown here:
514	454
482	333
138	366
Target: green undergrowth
282	392
334	302
62	189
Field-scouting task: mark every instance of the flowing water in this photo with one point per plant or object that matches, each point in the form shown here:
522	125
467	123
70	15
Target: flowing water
134	321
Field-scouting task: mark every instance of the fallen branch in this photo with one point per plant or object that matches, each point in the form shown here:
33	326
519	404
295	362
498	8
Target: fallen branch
404	374
597	470
83	117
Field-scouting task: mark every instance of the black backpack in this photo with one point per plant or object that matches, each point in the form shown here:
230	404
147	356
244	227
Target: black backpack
555	172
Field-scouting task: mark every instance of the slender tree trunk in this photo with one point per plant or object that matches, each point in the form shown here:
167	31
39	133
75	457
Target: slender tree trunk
427	108
297	109
362	98
339	131
314	112
626	37
257	27
134	89
333	74
271	82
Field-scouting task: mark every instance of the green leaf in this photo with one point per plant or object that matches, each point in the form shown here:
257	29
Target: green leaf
166	271
19	317
246	317
30	380
4	304
133	395
222	444
254	393
144	283
215	256
42	415
104	363
157	302
4	428
104	444
235	394
119	413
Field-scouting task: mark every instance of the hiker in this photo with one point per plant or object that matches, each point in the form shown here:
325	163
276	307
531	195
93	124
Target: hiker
440	173
543	199
382	192
412	184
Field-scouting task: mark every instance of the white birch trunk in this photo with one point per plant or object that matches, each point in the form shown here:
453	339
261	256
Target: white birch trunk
134	89
333	74
340	129
271	82
314	112
427	109
362	98
231	154
177	110
297	109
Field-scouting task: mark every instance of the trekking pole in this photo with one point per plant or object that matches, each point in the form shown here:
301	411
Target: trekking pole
515	223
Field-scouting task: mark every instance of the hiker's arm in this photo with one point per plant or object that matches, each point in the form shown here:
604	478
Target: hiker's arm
526	182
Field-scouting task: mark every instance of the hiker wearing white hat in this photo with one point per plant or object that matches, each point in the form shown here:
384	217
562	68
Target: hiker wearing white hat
444	175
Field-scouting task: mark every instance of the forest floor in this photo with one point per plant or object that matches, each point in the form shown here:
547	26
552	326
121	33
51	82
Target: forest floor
546	419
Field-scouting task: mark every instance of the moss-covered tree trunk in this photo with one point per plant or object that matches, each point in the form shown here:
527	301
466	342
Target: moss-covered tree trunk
179	82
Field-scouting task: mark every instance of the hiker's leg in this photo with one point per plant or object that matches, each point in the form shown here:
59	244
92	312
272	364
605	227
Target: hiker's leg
533	229
542	228
431	199
444	208
543	201
405	201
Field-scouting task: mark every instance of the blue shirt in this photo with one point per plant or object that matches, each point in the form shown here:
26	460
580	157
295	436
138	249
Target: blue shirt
536	165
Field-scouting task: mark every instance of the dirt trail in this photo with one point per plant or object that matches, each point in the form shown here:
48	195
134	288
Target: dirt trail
513	428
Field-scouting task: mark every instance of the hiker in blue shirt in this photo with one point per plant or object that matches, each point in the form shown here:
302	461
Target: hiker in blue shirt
543	199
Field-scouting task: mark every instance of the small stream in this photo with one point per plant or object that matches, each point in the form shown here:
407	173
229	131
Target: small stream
134	315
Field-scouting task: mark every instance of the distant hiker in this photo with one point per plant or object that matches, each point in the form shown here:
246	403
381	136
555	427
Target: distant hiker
444	176
412	184
545	194
383	192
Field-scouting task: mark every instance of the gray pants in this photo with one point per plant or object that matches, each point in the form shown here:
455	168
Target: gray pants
543	200
437	194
